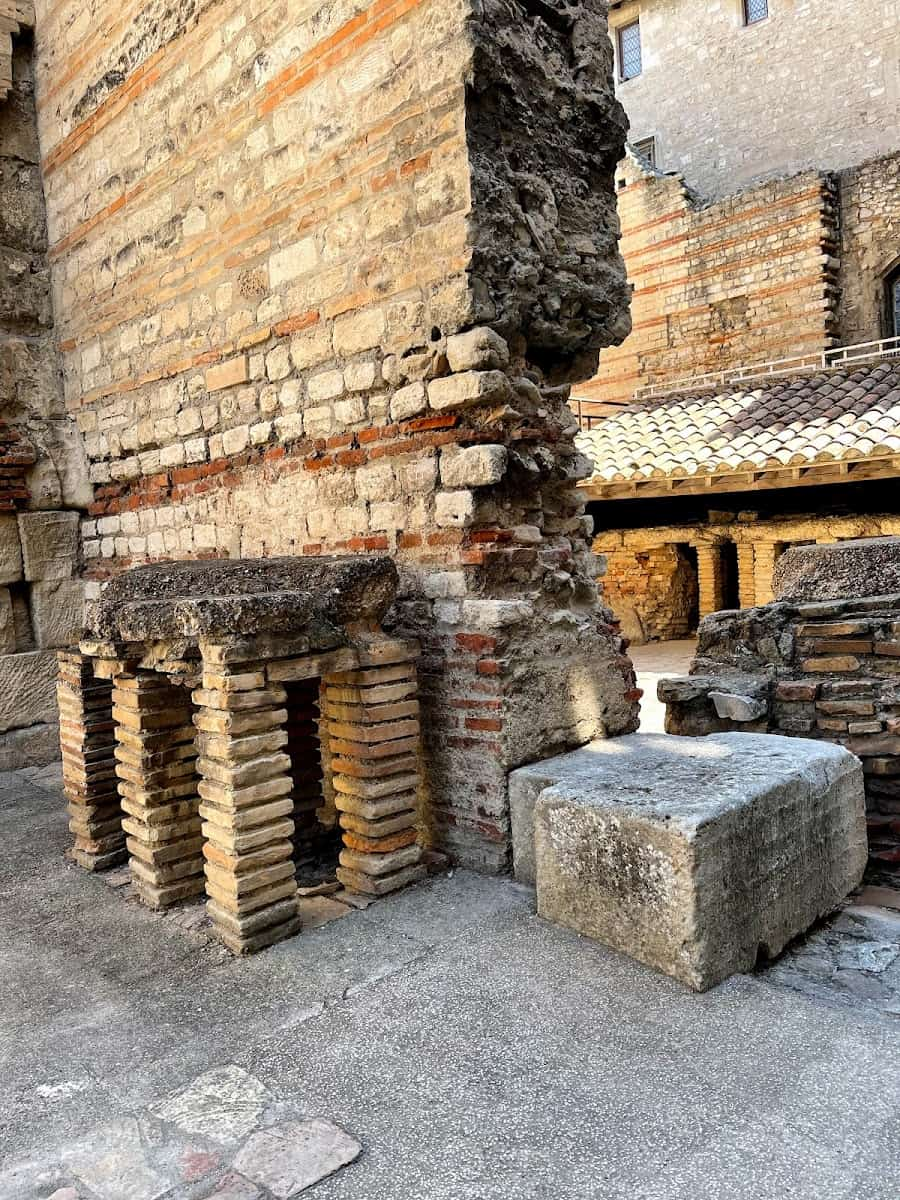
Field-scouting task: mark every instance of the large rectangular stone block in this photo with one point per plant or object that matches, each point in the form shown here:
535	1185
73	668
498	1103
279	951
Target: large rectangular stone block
696	856
56	611
49	544
10	550
27	689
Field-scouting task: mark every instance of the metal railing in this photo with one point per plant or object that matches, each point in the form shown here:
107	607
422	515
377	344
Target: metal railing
826	360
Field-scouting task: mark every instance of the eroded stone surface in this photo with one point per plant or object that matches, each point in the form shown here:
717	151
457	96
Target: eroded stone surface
291	1157
694	855
243	596
838	571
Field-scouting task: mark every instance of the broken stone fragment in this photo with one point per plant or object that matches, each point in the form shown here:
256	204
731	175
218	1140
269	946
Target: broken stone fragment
732	707
477	350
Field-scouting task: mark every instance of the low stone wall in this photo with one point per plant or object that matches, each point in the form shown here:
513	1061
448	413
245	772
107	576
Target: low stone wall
828	670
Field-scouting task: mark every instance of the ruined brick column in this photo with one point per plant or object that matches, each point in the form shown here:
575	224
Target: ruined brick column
709	578
765	555
378	244
372	719
247	807
87	740
746	561
156	766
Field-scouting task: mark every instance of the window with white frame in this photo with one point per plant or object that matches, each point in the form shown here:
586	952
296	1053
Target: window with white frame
646	147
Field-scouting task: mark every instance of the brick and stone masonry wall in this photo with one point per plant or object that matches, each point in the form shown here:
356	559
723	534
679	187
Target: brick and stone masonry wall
652	590
749	278
870	246
322	274
43	470
648	582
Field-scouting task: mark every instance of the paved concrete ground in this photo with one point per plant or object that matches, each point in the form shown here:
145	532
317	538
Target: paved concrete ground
473	1051
653	662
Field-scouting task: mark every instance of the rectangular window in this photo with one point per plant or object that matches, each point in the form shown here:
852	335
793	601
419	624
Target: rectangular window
755	10
646	147
630	50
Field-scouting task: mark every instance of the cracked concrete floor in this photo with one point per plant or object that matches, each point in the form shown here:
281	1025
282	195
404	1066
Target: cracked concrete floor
473	1050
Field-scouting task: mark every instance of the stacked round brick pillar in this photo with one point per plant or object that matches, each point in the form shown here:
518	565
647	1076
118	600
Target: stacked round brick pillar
156	766
371	725
87	739
247	807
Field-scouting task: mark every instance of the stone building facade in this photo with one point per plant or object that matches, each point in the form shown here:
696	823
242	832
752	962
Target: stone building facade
322	275
43	469
777	88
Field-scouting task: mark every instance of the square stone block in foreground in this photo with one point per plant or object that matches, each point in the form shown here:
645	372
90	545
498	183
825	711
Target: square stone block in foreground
693	855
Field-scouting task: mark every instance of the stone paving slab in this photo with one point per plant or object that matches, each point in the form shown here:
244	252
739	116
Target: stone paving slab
475	1051
223	1136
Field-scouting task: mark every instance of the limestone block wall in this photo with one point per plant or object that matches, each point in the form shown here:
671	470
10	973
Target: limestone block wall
749	278
816	85
43	471
318	292
870	246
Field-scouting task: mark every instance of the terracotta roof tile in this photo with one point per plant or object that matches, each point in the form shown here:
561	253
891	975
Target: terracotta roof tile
789	421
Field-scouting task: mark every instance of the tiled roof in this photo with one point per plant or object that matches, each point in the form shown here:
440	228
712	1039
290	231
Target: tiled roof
792	421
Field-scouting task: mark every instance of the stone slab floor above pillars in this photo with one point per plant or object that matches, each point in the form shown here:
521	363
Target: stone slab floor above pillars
206	746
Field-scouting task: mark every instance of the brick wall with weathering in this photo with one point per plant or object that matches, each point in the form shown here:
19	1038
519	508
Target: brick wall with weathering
43	473
748	279
322	273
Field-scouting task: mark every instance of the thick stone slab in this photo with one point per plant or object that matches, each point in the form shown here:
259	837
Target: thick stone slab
693	855
241	597
837	571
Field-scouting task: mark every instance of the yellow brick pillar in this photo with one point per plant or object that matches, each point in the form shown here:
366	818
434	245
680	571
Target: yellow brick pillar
710	578
746	574
765	555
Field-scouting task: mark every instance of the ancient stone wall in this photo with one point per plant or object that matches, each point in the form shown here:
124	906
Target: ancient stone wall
816	85
286	241
648	583
43	472
746	279
825	670
652	591
870	247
